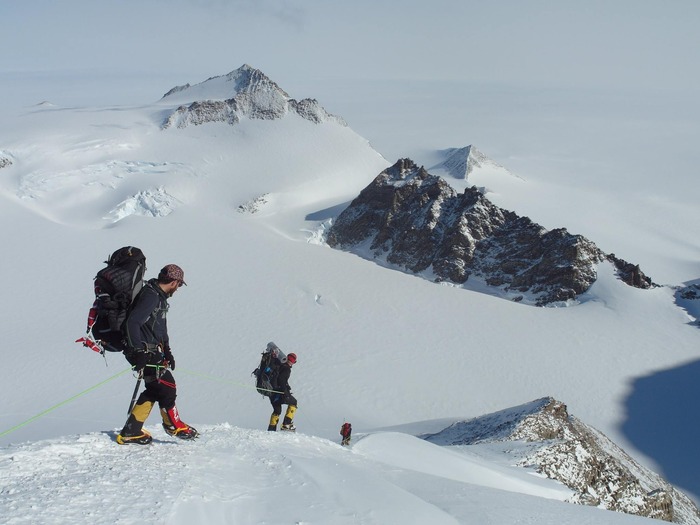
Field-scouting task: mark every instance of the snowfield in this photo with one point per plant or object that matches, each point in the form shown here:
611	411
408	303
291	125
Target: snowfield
242	209
235	475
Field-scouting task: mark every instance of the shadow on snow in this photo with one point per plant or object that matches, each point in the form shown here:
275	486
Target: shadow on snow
663	422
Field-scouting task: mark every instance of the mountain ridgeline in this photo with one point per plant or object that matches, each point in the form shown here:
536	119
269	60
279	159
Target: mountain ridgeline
417	222
245	92
562	447
407	217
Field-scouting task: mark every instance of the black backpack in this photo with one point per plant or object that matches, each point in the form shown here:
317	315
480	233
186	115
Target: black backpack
116	286
266	373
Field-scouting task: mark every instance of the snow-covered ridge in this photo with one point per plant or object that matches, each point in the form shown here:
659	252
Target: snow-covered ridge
461	162
564	448
229	474
243	93
245	79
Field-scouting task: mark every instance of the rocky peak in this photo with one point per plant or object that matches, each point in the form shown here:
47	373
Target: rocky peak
562	447
243	93
224	87
5	161
417	222
247	79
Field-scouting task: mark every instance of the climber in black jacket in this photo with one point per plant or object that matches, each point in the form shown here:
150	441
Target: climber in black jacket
148	350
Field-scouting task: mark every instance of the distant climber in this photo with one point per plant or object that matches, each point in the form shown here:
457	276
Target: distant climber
346	432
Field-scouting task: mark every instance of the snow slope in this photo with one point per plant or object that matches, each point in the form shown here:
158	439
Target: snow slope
234	475
376	347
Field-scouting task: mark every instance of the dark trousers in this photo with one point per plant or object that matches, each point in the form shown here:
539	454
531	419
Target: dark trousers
277	401
158	389
161	389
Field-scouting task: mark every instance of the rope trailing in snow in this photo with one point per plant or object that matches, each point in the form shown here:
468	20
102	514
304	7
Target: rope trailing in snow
76	396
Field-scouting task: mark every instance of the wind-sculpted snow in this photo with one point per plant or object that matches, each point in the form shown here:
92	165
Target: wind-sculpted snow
241	476
148	203
417	222
43	182
55	192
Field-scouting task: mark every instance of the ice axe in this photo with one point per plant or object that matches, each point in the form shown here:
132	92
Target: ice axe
136	392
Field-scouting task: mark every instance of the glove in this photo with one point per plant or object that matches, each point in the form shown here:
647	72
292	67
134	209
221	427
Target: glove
140	360
169	359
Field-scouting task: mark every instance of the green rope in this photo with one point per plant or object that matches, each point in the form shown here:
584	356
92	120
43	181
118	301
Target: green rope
76	396
226	381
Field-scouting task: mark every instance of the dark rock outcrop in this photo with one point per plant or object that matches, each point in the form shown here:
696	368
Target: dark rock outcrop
562	447
689	293
688	298
417	222
630	273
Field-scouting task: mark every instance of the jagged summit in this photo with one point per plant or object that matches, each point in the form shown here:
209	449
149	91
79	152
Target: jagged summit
460	163
243	93
413	220
224	87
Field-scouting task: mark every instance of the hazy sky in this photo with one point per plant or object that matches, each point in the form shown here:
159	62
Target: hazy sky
570	43
557	82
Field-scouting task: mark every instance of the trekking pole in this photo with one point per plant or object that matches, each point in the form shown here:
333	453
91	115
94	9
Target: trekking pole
136	392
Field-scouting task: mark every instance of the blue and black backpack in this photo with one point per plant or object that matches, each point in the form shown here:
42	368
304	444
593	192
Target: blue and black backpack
268	369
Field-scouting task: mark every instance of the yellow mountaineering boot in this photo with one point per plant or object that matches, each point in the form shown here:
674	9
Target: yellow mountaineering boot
133	432
288	417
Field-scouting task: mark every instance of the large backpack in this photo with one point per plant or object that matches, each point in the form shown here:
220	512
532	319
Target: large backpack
116	286
268	369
